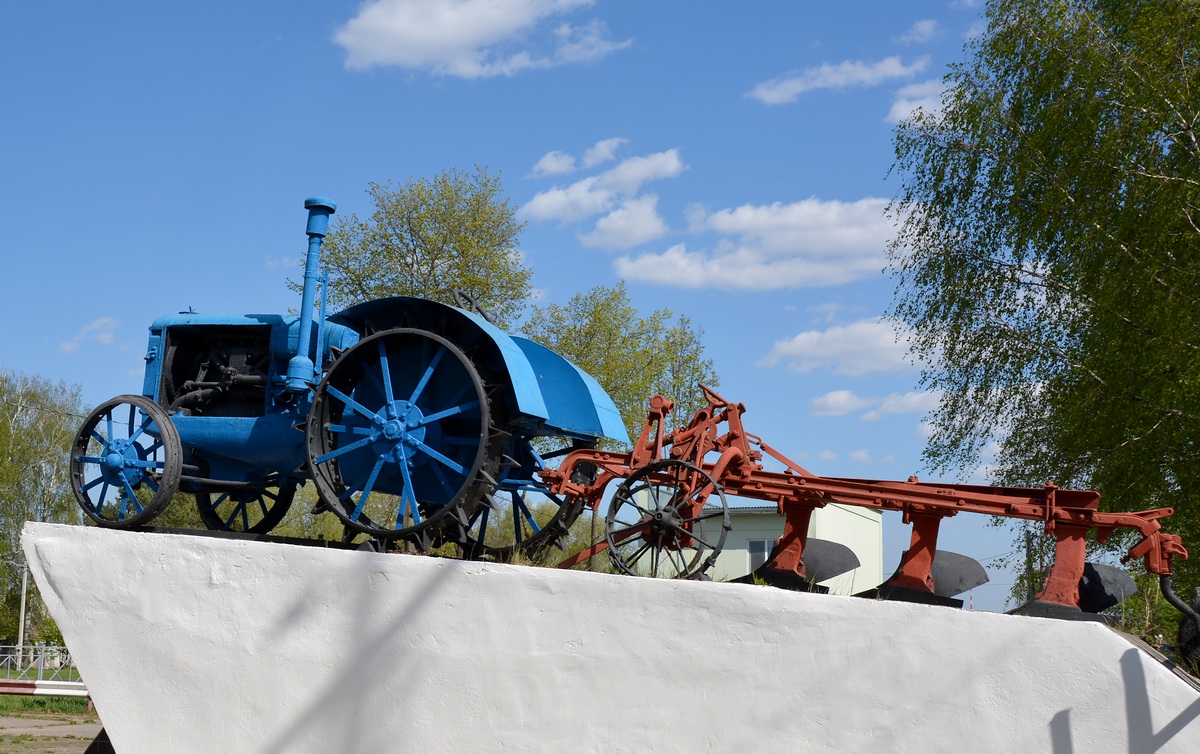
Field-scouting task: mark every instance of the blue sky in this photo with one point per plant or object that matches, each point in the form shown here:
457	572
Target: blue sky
729	161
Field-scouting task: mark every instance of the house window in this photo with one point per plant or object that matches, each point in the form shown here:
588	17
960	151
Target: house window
760	550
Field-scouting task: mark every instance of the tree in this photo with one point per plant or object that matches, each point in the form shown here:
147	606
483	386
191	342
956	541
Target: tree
632	357
1048	257
428	238
38	419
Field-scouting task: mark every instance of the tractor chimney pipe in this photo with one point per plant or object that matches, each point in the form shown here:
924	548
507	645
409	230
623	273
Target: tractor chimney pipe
300	371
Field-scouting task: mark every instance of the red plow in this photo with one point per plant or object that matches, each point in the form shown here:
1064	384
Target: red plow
669	515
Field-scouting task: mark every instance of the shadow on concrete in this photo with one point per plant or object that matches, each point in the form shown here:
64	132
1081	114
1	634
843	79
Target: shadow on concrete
1060	733
1142	737
348	699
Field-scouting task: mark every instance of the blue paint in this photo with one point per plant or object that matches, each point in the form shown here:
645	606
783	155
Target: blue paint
238	390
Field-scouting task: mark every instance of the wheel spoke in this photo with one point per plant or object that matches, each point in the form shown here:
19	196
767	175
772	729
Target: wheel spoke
705	516
143	427
456	468
519	505
408	497
344	450
366	489
232	516
127	490
386	373
442	480
637	555
220	499
483	523
350	403
452	411
108	419
346	429
91	484
433	364
89	459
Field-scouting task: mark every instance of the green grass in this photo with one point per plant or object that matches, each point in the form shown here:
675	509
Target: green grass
45	705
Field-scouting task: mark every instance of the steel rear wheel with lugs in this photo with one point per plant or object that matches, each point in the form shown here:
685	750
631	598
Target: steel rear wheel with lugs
402	438
522	516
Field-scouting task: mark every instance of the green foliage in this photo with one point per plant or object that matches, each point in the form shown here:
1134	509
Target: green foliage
632	357
457	231
428	238
301	522
1049	253
38	419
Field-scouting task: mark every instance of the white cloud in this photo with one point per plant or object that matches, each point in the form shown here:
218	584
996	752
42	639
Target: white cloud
838	403
554	163
578	201
285	263
926	95
634	222
629	175
600	193
803	244
101	330
912	402
864	456
860	348
842	402
920	32
849	73
827	455
470	38
602	151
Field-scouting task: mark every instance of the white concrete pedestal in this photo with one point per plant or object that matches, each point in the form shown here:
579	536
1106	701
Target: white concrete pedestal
198	644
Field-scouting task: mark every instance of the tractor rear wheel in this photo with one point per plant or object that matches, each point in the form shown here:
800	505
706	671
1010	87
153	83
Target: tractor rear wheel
401	438
522	516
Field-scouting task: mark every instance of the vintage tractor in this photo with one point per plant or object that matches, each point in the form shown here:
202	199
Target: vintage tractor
415	420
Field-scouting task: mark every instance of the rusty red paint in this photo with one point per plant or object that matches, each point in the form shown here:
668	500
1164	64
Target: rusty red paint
717	429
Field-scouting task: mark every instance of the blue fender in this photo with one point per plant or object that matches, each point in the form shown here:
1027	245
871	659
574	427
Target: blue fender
547	393
576	403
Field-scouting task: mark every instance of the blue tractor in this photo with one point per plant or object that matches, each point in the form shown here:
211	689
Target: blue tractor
415	420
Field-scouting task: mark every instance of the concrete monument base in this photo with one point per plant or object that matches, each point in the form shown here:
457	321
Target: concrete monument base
200	644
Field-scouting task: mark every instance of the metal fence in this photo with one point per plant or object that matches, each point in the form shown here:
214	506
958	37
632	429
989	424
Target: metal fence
36	663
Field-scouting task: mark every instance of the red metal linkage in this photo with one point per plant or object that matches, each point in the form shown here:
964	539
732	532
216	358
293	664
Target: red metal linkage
1067	514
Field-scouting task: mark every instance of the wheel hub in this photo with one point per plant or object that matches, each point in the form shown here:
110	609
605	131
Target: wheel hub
400	426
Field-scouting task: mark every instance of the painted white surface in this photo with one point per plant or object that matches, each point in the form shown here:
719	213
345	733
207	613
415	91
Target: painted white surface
192	644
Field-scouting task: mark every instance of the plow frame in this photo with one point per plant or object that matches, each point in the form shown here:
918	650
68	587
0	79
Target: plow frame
716	443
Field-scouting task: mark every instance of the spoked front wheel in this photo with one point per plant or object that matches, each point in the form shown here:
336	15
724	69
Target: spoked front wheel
401	441
126	462
663	521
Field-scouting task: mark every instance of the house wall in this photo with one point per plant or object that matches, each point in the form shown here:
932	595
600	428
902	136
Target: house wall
860	529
